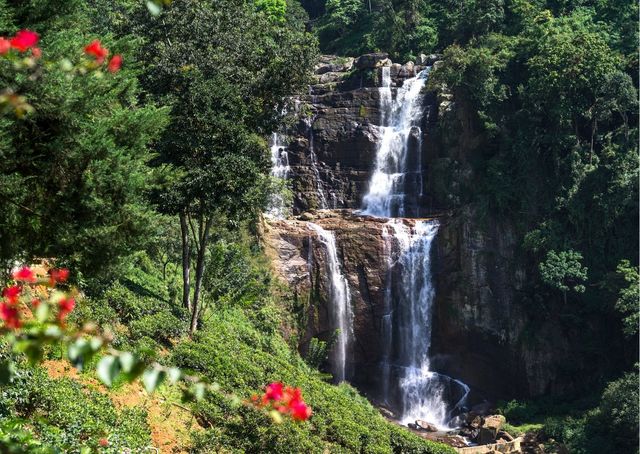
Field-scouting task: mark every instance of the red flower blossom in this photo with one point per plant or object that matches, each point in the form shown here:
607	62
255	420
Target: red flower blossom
24	39
300	411
115	63
10	315
96	50
285	400
56	276
5	45
65	306
103	442
12	293
273	392
25	274
36	52
35	303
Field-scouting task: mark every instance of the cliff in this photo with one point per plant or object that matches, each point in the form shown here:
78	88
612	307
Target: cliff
480	325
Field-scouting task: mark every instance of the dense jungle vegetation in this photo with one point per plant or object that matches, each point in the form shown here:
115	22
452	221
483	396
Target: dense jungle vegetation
148	183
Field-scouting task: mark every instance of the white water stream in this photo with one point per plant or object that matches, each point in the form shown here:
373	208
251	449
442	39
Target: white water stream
340	299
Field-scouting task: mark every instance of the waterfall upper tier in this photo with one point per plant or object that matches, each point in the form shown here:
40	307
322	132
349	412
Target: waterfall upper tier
333	147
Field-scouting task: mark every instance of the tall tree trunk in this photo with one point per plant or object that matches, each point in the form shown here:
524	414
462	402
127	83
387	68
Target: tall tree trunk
186	262
203	233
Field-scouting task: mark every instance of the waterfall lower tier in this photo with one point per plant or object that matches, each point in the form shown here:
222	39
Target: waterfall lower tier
420	392
340	299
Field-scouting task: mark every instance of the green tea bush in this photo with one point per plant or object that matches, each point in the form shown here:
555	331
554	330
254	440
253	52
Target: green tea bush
65	414
231	351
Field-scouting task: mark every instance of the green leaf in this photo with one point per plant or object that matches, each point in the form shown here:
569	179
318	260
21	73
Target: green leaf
95	343
53	331
199	391
152	378
127	361
108	369
174	374
42	312
153	8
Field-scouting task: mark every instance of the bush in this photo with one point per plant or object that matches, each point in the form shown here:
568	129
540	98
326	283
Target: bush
66	414
230	351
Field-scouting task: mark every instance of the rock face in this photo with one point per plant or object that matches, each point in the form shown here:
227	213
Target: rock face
300	259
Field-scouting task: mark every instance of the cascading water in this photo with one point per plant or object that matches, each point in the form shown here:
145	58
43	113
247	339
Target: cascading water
395	190
423	394
396	182
340	302
279	170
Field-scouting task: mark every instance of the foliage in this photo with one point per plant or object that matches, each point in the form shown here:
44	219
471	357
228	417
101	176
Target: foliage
226	71
629	296
74	169
564	271
610	427
65	414
230	348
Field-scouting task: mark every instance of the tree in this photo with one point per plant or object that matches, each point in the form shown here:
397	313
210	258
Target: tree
73	172
564	271
629	296
227	71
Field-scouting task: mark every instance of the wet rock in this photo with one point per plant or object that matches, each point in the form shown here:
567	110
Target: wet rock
453	440
422	60
395	69
490	428
474	421
333	63
424	425
503	435
387	413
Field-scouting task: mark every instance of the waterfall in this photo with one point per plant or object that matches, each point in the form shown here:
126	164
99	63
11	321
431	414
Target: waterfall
397	176
423	394
395	190
279	170
340	298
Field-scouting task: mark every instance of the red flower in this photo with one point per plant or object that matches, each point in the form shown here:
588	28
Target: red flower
60	275
115	63
12	293
97	51
65	306
36	52
5	45
103	442
25	274
24	39
9	314
35	303
273	391
300	411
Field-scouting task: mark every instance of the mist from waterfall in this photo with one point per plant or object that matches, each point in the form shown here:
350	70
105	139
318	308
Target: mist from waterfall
340	299
396	184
